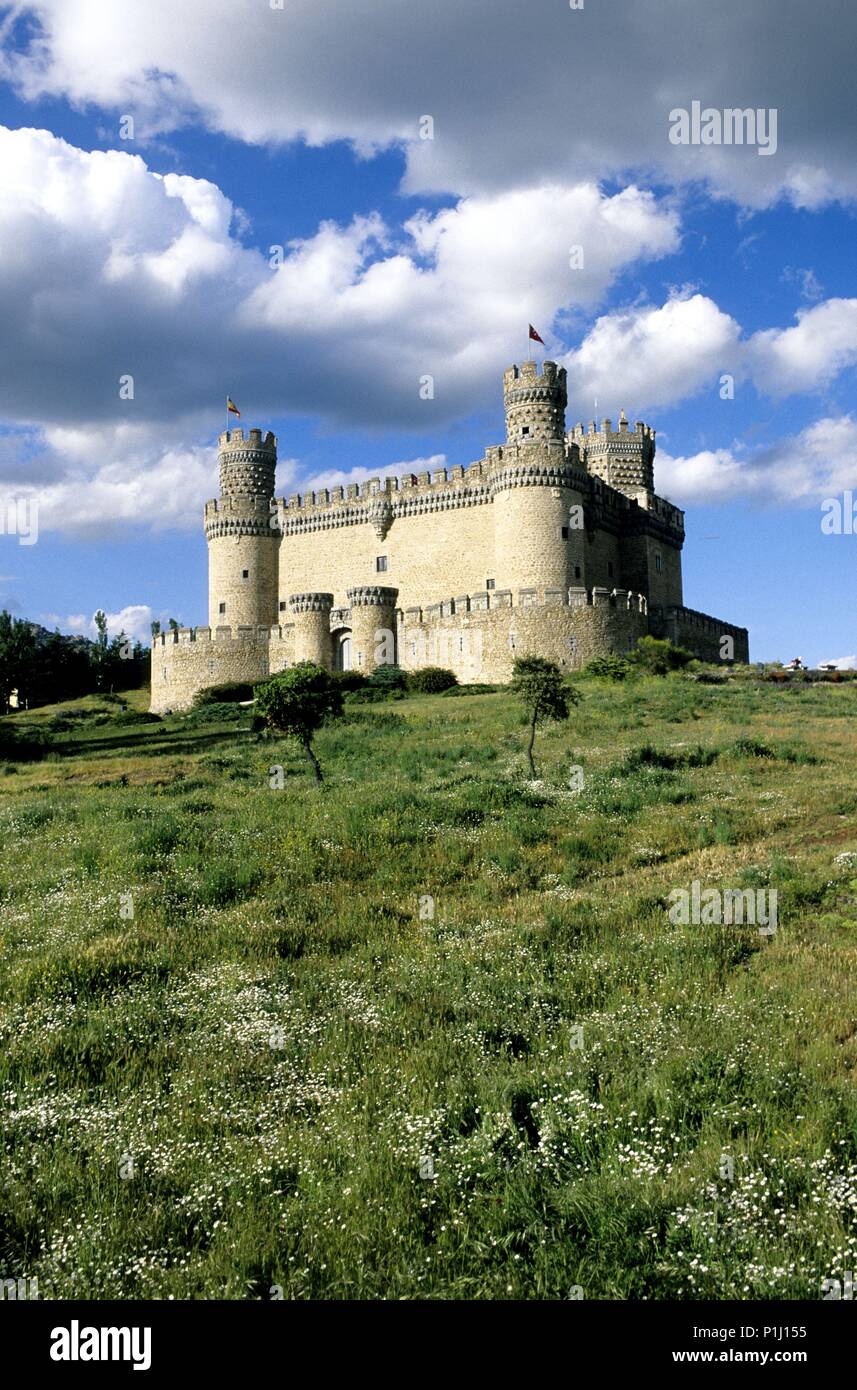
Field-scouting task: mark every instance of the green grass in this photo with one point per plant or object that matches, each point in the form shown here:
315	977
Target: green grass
237	1086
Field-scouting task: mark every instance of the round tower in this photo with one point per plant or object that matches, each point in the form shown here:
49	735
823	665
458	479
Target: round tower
311	618
537	508
373	626
534	402
242	534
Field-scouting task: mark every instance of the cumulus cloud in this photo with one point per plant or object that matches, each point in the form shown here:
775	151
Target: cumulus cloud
662	354
657	354
134	620
820	462
608	77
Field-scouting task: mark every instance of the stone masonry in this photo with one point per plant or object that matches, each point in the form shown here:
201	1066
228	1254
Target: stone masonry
553	544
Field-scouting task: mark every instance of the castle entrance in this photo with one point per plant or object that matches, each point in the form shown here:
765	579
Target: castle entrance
342	651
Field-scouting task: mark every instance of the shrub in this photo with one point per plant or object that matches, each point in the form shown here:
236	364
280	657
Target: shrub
214	713
297	702
388	678
657	656
432	680
130	716
22	745
470	690
613	668
226	693
349	680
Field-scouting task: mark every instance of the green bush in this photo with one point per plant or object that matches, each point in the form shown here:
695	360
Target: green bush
388	678
613	668
432	680
349	680
130	716
471	690
22	746
214	714
658	656
226	693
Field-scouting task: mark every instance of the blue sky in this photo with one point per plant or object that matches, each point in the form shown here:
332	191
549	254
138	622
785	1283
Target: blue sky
405	256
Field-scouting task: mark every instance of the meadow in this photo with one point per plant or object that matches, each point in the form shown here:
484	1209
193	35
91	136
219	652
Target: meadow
428	1031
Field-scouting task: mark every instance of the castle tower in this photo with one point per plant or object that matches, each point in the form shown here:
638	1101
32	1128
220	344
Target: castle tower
311	618
242	534
624	458
373	624
534	403
533	485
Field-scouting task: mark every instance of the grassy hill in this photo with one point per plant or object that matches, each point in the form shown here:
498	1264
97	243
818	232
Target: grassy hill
283	1072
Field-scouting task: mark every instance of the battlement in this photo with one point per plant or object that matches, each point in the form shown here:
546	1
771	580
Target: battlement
580	435
489	600
235	439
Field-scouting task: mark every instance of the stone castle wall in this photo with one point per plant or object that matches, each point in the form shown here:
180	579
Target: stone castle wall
189	659
699	633
480	636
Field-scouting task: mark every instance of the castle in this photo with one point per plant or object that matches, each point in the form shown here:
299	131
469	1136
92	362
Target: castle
554	544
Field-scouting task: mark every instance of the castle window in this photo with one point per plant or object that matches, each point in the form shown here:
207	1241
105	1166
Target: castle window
489	583
245	574
577	571
525	429
658	563
211	668
511	641
564	532
282	605
380	563
221	607
610	568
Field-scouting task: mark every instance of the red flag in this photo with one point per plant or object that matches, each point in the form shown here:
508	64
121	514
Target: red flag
536	337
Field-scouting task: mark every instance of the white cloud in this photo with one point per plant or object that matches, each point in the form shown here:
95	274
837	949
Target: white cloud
819	462
841	663
808	355
655	355
516	98
134	620
659	355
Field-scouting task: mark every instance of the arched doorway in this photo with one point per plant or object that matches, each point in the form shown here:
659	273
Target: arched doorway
342	650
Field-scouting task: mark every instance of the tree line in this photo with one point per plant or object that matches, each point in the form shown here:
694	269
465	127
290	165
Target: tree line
39	667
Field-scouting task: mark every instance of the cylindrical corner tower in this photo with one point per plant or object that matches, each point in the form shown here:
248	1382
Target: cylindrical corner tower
242	533
373	626
311	617
537	508
535	402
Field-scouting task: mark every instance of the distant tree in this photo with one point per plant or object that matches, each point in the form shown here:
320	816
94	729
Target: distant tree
174	627
297	702
17	656
156	628
542	691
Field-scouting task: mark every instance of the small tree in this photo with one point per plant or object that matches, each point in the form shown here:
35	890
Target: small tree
297	702
540	687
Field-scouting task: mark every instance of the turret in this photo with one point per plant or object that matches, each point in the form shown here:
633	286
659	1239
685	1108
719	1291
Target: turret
533	485
535	402
624	458
242	532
